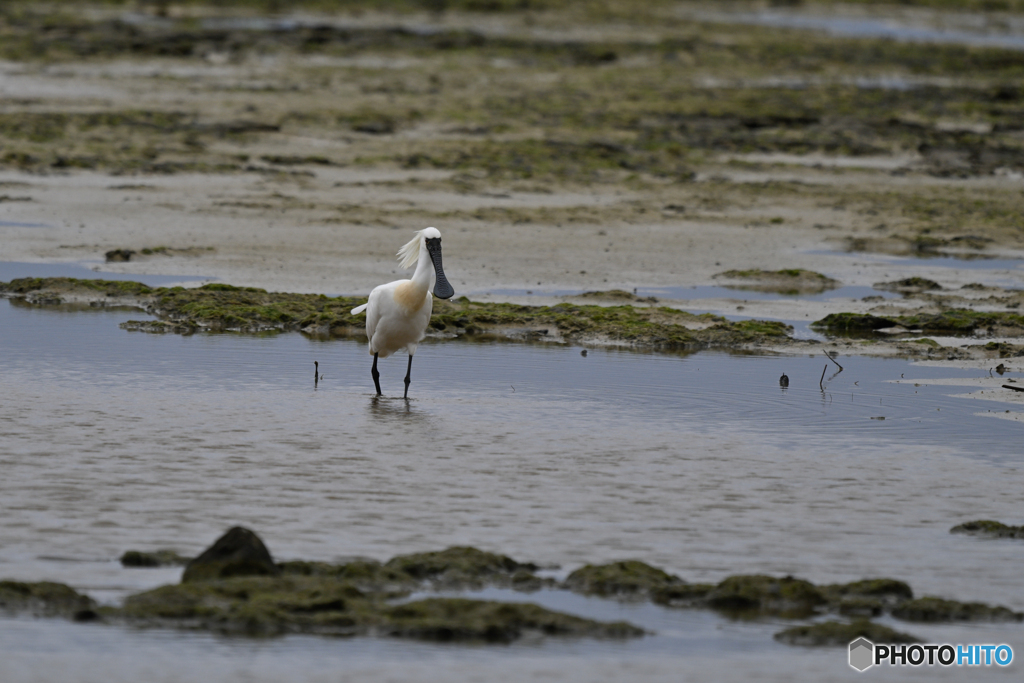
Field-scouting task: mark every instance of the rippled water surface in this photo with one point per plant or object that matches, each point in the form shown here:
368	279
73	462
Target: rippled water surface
701	464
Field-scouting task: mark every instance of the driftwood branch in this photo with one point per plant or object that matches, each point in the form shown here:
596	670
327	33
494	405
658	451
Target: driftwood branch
820	386
1007	386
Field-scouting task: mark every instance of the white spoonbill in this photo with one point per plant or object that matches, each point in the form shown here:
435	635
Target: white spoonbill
398	313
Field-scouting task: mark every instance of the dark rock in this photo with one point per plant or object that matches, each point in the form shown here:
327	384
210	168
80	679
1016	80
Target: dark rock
838	634
119	255
239	552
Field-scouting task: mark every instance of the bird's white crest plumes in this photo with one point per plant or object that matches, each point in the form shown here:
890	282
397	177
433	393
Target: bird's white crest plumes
410	253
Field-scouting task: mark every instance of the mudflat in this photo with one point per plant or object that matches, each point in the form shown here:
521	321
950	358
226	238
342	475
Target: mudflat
560	148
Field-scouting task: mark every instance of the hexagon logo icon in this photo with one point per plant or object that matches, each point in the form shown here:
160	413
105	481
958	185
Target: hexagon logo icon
862	654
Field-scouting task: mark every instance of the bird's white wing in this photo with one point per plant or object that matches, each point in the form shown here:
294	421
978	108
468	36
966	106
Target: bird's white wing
373	310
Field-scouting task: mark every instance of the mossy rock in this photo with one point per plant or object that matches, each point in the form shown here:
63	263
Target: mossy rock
292	603
888	589
766	595
909	285
46	599
239	552
840	634
990	528
447	619
157	558
852	322
932	610
459	566
366	574
629	578
252	605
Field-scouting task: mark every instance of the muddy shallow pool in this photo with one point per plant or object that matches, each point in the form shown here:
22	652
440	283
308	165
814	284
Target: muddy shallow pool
701	464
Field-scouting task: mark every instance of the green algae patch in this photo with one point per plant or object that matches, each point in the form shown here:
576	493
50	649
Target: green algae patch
954	321
960	321
989	528
157	558
840	634
757	594
45	599
787	281
935	610
223	307
630	578
66	285
447	619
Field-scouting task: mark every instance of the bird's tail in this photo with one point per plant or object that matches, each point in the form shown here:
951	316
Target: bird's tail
359	309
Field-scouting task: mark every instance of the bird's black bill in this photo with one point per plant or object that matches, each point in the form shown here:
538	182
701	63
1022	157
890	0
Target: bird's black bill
442	288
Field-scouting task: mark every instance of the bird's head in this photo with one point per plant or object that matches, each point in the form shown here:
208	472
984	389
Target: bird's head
428	239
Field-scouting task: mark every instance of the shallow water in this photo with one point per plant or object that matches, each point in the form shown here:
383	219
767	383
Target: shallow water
11	270
701	464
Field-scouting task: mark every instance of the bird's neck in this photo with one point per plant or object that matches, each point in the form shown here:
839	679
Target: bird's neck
424	275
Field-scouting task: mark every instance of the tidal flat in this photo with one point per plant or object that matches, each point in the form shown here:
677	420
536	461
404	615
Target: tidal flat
652	210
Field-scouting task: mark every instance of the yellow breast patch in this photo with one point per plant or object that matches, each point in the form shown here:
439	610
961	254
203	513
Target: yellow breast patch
410	297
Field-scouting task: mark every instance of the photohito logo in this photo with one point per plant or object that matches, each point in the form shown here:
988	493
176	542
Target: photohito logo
864	654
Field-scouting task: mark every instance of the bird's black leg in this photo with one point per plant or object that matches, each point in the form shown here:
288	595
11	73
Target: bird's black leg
376	375
408	377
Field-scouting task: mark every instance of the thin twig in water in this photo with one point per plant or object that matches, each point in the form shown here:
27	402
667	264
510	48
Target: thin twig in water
1007	386
822	378
832	359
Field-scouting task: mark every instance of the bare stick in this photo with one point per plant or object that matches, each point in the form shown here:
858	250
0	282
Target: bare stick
832	359
822	378
1007	386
